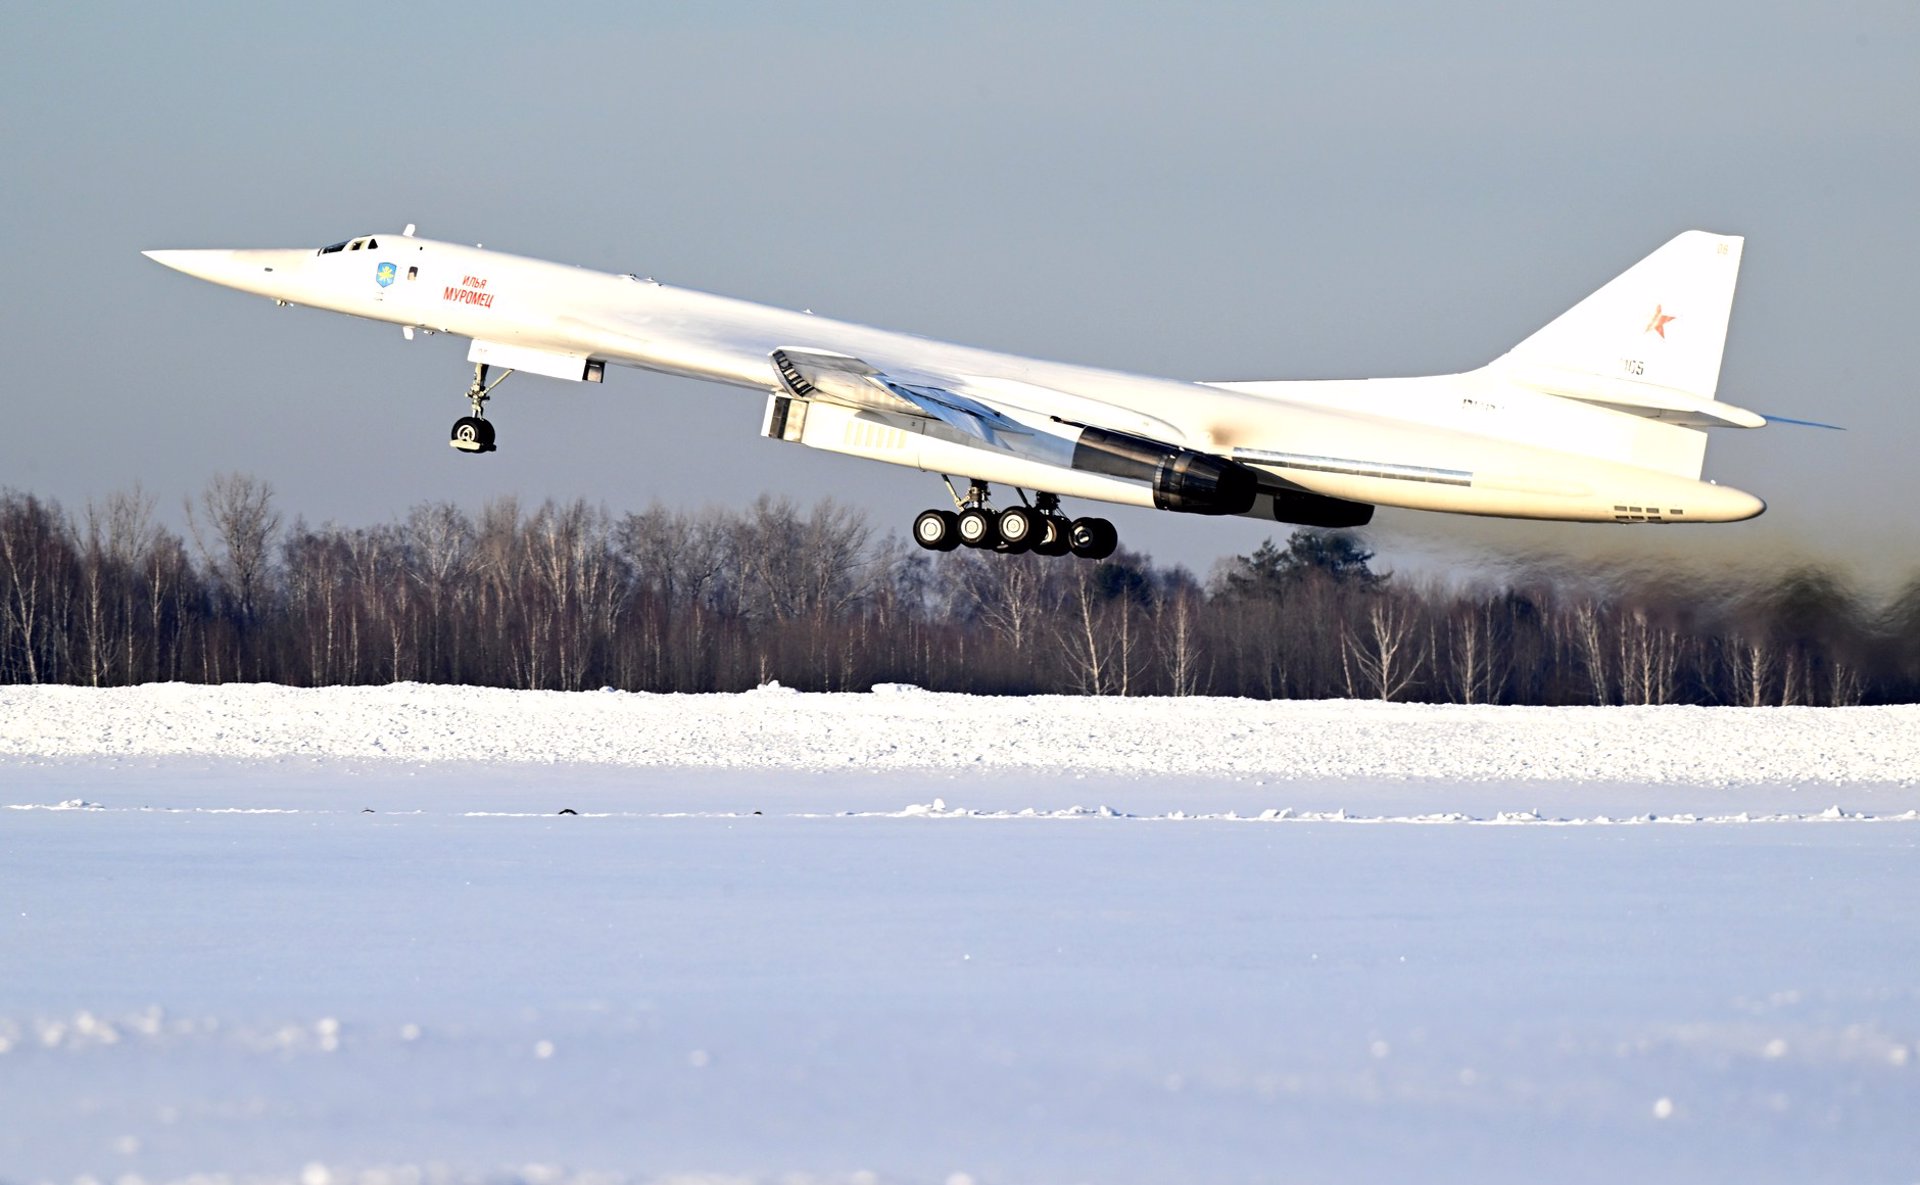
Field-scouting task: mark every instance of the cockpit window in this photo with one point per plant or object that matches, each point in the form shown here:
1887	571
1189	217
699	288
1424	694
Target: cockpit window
372	243
330	248
357	244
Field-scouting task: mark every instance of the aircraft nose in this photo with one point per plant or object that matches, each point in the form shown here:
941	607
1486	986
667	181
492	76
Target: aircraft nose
267	271
202	265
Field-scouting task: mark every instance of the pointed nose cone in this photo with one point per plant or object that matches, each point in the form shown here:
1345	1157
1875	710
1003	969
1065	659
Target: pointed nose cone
270	272
202	265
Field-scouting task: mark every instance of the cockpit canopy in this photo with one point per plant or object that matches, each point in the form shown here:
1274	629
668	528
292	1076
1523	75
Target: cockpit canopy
363	244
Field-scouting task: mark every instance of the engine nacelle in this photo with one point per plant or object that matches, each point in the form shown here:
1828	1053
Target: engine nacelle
1183	479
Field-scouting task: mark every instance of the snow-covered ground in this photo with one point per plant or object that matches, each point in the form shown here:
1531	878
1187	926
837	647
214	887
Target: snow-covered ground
903	728
346	936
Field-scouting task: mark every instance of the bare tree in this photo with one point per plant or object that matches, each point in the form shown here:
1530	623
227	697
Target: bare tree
677	561
171	592
675	555
132	535
35	564
1751	663
1013	595
97	599
792	566
1648	658
314	582
1180	646
234	530
1588	626
1083	640
1474	672
1845	688
1129	653
1387	649
574	568
440	557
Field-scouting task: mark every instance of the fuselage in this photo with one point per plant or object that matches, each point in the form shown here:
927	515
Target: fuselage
1467	443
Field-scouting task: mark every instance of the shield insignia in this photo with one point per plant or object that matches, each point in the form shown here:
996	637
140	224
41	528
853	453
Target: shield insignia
384	274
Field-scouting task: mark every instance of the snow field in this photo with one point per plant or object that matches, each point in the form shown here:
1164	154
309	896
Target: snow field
454	996
268	936
902	729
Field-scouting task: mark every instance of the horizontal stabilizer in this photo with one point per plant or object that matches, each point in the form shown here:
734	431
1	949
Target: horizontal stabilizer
1646	400
1802	423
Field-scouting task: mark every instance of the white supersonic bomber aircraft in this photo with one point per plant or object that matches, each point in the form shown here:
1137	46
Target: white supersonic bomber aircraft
1599	417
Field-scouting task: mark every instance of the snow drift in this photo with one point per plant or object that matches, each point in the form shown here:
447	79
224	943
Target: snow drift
896	728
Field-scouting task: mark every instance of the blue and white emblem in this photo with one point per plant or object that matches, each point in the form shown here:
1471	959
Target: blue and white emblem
384	274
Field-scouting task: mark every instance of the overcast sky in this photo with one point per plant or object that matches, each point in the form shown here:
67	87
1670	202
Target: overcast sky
1227	191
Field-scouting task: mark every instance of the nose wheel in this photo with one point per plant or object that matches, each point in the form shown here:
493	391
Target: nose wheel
471	434
474	433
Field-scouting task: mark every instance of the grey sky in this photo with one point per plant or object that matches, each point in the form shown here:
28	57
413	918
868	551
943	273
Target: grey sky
1227	191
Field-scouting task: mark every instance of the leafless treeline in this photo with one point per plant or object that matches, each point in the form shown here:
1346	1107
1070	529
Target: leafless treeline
568	596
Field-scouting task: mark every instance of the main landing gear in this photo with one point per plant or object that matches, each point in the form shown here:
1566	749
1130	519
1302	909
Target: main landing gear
474	433
1039	528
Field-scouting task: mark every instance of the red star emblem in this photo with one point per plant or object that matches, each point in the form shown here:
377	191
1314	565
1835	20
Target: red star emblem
1658	322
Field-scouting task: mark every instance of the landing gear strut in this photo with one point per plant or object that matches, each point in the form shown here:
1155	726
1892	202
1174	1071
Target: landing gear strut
1039	528
474	433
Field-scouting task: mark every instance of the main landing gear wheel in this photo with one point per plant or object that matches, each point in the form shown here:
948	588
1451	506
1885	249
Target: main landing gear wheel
1019	527
977	527
472	434
937	530
1039	528
1092	538
1050	537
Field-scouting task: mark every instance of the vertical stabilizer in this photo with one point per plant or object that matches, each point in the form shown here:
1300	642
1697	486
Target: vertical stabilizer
1659	327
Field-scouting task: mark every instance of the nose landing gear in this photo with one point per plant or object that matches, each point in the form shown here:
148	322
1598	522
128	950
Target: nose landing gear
474	433
471	434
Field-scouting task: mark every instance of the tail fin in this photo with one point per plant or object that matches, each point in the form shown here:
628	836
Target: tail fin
1649	342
